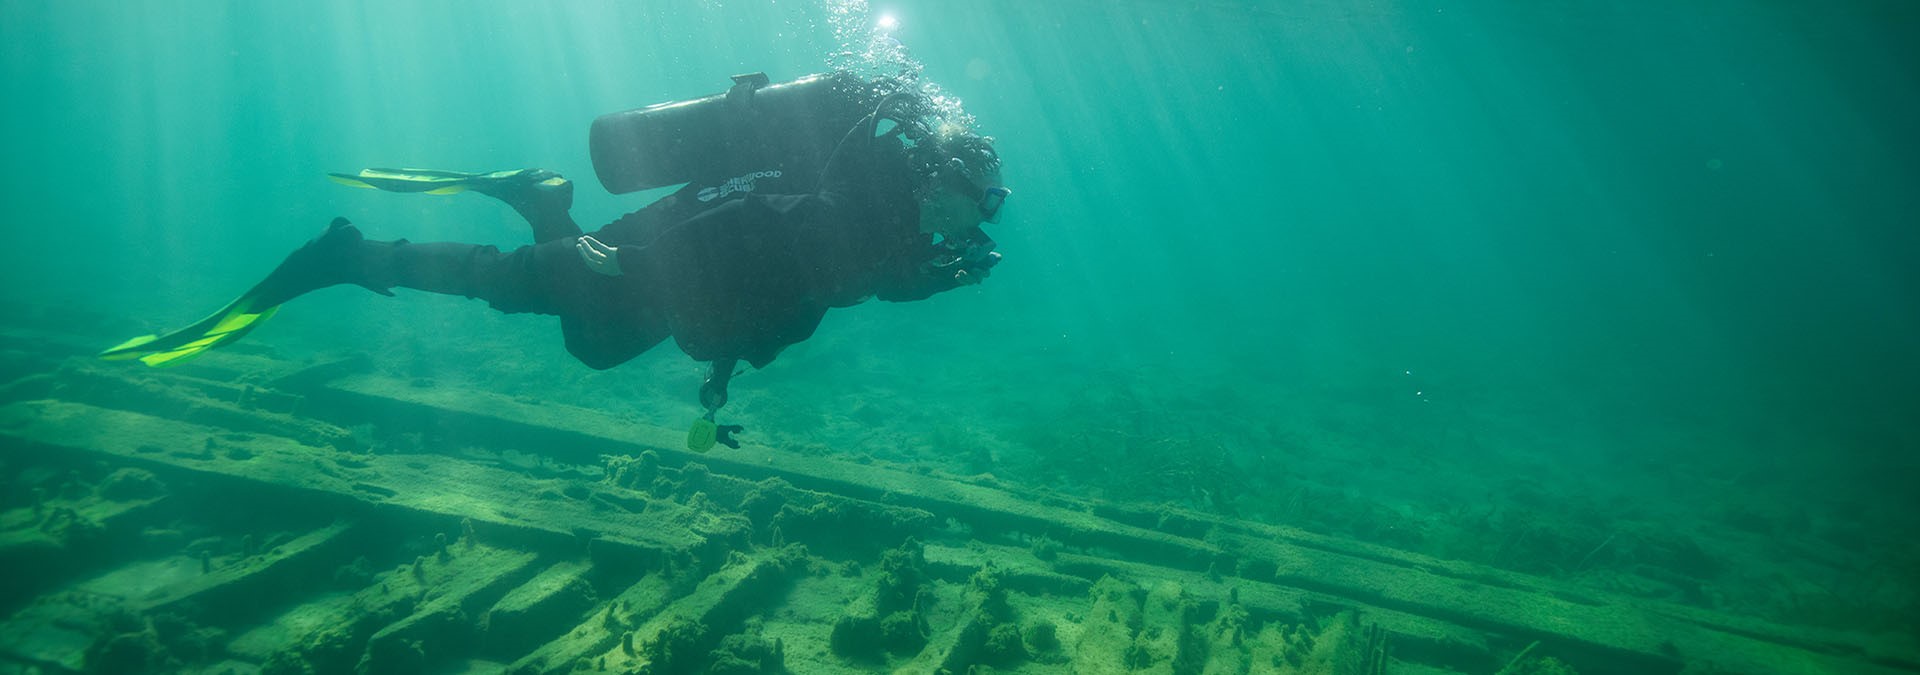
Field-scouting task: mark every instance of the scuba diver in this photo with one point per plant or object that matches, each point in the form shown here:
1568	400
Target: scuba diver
798	197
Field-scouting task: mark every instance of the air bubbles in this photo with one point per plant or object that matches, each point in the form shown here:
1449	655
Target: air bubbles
865	48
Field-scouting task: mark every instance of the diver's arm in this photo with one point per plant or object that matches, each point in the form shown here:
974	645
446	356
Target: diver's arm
926	285
943	269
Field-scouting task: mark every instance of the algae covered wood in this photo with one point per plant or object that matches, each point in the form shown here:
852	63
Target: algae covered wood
247	514
429	483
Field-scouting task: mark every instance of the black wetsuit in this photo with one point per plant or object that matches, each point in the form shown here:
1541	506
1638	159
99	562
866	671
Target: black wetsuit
740	275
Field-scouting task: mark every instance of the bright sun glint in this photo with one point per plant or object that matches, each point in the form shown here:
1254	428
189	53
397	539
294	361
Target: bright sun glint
888	22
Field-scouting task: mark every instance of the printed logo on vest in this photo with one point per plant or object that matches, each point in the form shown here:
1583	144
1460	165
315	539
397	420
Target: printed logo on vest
735	184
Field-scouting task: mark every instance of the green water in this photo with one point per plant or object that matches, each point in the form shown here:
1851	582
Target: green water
1460	267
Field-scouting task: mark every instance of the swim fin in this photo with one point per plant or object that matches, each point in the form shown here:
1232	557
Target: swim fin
543	197
430	181
177	347
338	256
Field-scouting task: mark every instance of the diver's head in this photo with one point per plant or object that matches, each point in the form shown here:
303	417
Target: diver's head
956	172
959	204
961	184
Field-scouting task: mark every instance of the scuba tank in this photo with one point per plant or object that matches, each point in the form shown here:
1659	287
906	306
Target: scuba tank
755	131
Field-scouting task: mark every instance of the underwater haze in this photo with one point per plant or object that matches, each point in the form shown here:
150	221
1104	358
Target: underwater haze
1625	295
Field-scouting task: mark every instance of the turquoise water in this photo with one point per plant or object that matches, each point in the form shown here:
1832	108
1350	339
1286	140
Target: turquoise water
1625	270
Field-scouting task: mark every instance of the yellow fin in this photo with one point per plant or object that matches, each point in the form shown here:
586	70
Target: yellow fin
124	350
350	181
702	435
177	347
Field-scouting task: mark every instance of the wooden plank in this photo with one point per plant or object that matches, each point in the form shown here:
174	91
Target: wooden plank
678	638
439	619
428	484
330	632
1283	573
536	611
1613	627
601	630
59	633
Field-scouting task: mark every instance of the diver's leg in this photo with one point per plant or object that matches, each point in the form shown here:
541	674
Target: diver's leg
542	197
540	279
531	279
606	321
538	195
340	255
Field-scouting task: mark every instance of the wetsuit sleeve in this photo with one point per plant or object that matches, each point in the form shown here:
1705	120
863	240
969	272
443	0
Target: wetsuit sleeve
925	287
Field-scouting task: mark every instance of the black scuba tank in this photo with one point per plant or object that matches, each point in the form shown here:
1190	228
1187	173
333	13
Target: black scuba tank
755	132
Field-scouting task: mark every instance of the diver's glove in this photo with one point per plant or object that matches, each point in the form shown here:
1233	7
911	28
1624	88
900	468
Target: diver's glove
978	271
